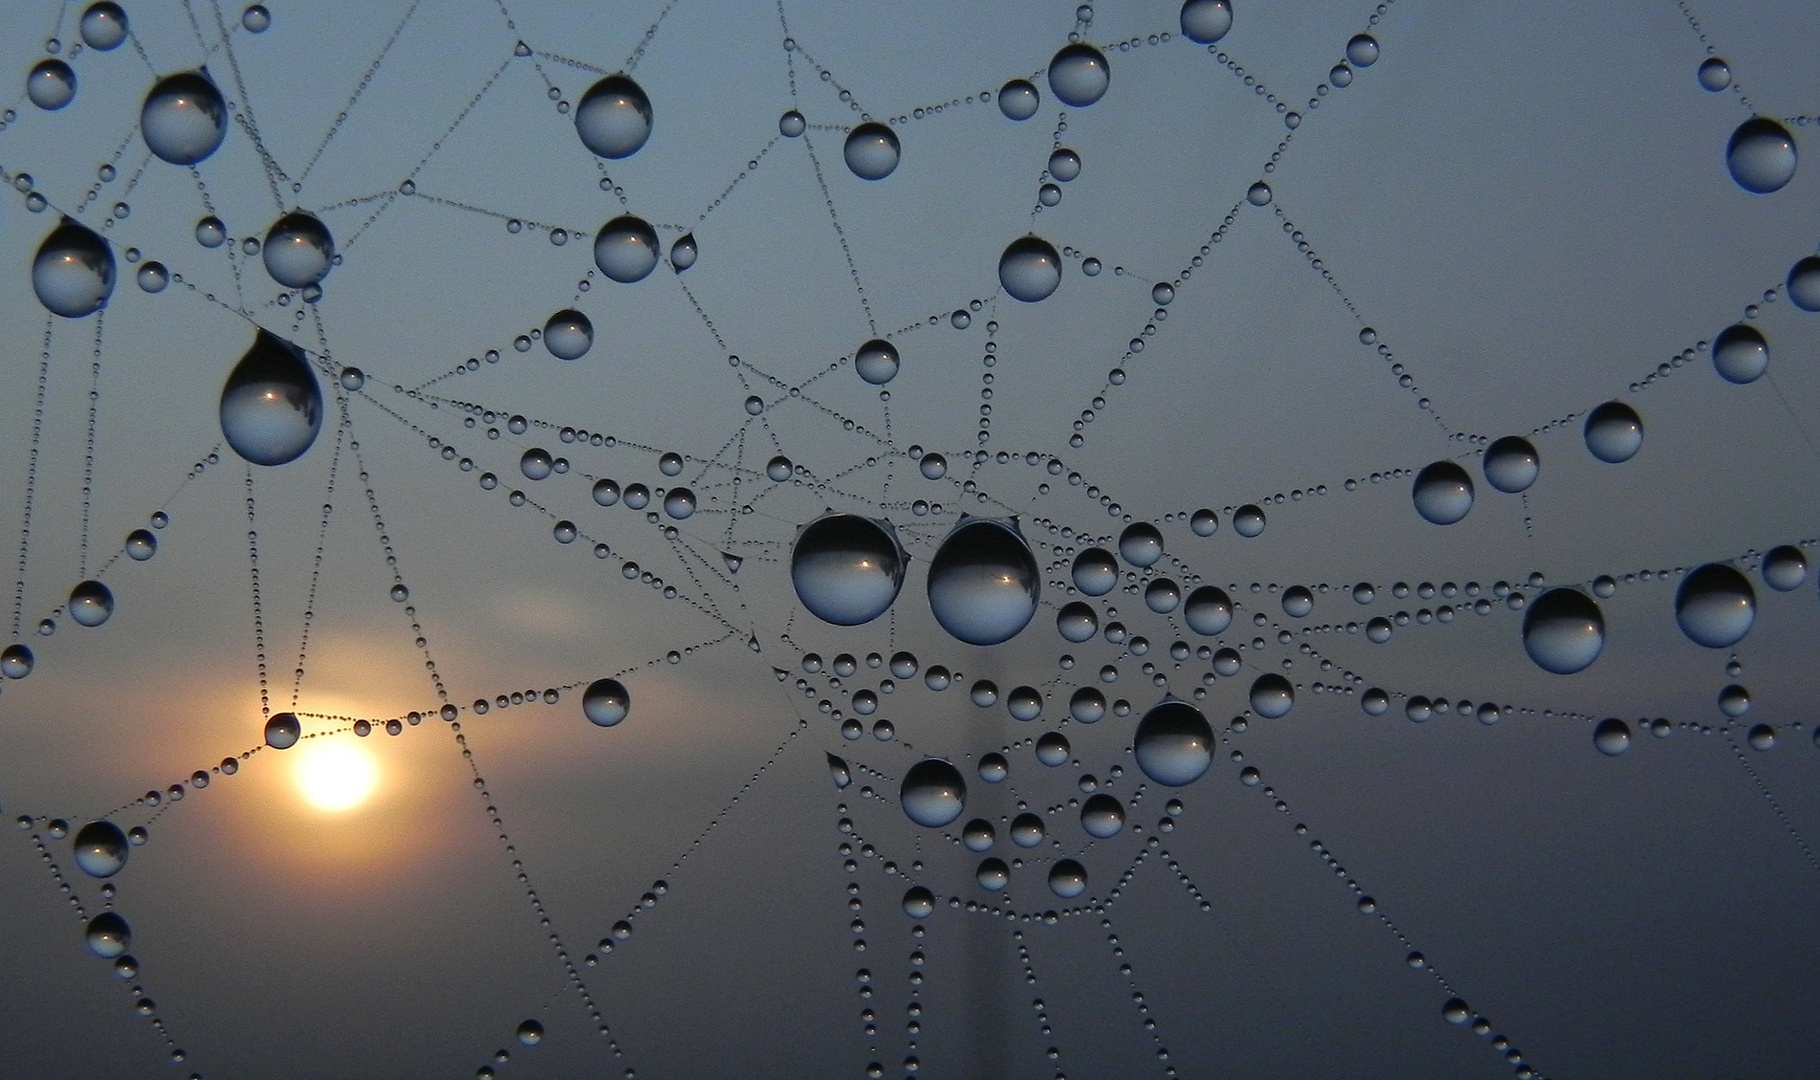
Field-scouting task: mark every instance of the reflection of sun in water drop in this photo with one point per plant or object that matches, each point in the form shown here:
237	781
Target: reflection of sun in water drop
335	775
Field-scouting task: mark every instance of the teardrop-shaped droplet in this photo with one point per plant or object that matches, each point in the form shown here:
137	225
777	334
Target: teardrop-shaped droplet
108	935
73	273
91	603
1511	464
839	772
1740	354
1030	269
298	250
1613	432
568	335
1208	611
1611	737
683	252
1018	99
184	118
271	406
1206	21
872	151
1563	631
101	849
1442	493
282	731
983	582
1715	606
933	793
876	362
1761	155
606	702
1079	75
1173	744
614	117
847	569
626	249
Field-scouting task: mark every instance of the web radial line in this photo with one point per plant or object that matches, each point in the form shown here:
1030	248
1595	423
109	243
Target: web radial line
322	530
354	98
245	117
840	234
88	456
398	582
252	545
31	477
1775	805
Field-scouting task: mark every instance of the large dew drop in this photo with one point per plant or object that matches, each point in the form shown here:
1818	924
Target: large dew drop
1614	432
1095	572
1442	493
872	151
1102	816
1208	610
101	849
1030	269
1611	737
271	407
606	702
1563	631
1067	879
184	118
73	273
1784	568
103	26
1206	21
568	335
983	582
1077	622
1804	283
626	249
1740	354
933	793
51	85
876	362
298	250
1141	544
1078	75
1272	696
614	117
1174	744
1018	99
108	935
846	569
1511	464
282	731
1715	606
91	603
1761	155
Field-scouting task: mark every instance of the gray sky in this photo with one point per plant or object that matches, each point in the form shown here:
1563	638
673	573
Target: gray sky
1530	218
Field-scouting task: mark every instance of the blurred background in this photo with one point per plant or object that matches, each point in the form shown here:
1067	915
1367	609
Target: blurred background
571	342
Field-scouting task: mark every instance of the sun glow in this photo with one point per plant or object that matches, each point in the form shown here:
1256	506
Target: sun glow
335	774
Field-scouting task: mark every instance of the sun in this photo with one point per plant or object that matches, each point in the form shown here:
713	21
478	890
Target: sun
335	775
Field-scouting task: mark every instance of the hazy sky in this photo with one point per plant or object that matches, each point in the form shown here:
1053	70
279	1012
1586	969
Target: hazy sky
1284	286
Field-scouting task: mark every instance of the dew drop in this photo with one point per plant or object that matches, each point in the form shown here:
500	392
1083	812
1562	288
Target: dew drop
872	151
846	569
1298	601
791	125
91	603
271	406
1804	283
1141	544
298	250
606	702
876	362
1102	816
1077	622
978	836
282	731
1204	522
1613	432
1715	606
1611	737
73	273
1162	596
1018	99
1067	879
210	232
993	875
103	26
256	19
568	334
993	768
1095	572
1761	737
1029	269
932	466
101	849
1078	75
530	1033
1511	464
184	118
1740	354
1206	21
613	118
1761	155
919	902
1784	568
1173	744
1442	493
141	545
1714	74
1272	696
1258	194
683	252
1087	705
933	793
108	936
1208	611
626	249
679	503
983	581
153	277
1064	165
1248	521
1362	50
1734	701
1052	749
1563	631
51	85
